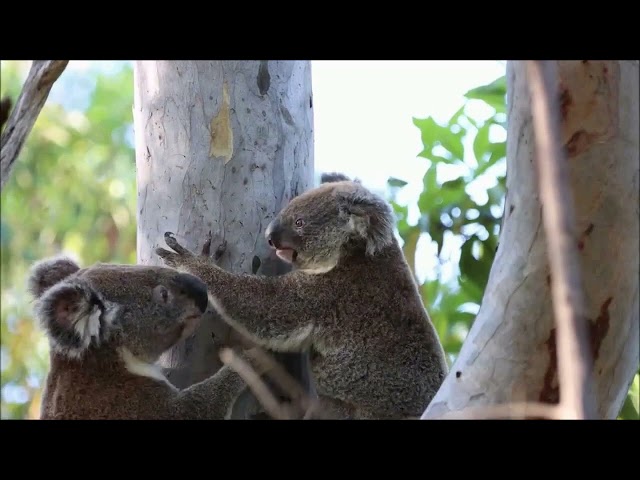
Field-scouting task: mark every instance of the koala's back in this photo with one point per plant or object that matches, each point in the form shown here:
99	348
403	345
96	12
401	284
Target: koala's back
390	341
105	391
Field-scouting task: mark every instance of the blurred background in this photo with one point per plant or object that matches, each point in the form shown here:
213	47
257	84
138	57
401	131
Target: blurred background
422	133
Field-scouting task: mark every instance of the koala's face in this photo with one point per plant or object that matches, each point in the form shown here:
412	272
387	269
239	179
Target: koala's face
144	309
311	231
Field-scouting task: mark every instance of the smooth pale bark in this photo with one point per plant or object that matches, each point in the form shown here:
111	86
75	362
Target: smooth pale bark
221	147
509	354
34	94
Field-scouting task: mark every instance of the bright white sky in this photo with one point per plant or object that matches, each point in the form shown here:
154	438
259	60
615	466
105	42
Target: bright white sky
364	111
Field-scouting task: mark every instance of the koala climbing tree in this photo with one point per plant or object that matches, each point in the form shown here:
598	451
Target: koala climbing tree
351	301
221	147
107	325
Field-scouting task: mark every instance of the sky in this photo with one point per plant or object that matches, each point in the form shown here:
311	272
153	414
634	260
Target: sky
364	111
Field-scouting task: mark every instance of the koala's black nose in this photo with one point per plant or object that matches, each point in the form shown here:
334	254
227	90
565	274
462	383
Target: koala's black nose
194	288
272	233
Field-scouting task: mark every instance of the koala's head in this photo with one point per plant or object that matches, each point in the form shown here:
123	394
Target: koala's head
312	231
145	309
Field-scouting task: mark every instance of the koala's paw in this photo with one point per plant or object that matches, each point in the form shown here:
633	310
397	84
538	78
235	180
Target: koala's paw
180	258
206	249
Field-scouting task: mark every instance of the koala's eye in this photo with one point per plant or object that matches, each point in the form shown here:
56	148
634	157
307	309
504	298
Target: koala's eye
299	222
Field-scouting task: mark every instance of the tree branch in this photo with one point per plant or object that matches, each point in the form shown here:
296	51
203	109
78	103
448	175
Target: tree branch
285	381
255	384
33	96
575	363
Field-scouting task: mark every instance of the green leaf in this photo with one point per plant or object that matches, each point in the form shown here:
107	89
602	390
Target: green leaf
456	184
428	196
476	270
437	235
464	318
396	182
433	134
401	212
453	193
631	407
498	152
493	94
455	118
430	291
411	238
474	292
453	143
429	130
481	143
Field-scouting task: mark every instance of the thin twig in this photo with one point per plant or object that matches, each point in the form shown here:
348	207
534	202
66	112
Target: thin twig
255	383
284	380
574	356
36	88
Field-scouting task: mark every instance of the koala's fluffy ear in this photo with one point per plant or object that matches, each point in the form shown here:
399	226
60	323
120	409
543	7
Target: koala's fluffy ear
48	272
331	177
74	316
371	218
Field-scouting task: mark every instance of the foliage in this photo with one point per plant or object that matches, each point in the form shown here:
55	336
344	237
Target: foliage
73	191
460	209
631	408
461	212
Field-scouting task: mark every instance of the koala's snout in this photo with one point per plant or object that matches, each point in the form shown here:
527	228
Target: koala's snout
273	233
194	288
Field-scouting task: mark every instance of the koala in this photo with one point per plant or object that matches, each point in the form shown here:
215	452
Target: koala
351	301
107	325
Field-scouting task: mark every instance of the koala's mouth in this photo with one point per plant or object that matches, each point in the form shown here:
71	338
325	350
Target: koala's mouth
289	255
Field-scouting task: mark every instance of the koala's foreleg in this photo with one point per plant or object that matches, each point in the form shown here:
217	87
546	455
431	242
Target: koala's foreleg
278	313
210	399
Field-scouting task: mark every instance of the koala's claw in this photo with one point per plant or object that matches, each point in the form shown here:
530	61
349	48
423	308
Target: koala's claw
220	250
171	241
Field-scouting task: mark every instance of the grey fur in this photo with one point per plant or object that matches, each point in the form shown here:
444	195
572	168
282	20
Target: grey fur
351	300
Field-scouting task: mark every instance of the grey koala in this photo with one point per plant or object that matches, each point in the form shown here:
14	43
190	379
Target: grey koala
107	325
351	300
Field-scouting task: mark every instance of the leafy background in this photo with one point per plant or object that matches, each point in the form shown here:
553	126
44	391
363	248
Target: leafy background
74	189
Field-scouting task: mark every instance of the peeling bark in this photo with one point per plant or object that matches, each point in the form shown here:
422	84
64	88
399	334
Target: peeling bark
221	147
510	352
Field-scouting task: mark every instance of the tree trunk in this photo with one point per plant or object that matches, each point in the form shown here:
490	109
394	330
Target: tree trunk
221	147
510	354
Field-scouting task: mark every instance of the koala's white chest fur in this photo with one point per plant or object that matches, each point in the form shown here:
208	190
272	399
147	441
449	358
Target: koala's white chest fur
144	369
